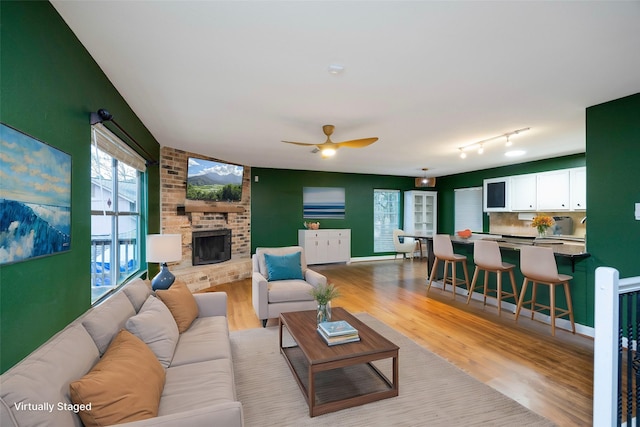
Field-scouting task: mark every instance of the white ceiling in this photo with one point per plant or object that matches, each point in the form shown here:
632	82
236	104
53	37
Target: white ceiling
231	79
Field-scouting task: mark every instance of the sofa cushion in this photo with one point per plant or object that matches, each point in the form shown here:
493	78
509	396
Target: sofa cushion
137	291
106	319
284	267
206	339
180	301
44	376
289	290
125	385
155	326
197	385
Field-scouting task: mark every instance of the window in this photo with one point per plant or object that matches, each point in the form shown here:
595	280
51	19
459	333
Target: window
116	194
468	209
386	218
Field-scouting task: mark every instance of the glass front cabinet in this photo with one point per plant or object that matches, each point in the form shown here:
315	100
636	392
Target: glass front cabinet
420	212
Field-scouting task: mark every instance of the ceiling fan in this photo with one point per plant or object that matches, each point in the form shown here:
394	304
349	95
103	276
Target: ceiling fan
328	148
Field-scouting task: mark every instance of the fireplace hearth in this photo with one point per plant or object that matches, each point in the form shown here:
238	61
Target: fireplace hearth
211	246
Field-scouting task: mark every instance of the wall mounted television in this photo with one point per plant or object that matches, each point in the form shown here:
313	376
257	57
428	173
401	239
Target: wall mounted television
214	181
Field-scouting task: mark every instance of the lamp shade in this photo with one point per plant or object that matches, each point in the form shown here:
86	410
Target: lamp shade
164	248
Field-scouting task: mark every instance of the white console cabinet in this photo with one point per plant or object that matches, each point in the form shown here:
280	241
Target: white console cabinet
325	246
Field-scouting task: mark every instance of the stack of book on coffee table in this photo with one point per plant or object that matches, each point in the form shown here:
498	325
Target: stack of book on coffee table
339	332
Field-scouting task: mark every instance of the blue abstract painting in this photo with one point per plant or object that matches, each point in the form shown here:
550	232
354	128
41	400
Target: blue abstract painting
323	202
35	197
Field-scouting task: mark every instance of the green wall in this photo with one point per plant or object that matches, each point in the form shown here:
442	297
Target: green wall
613	184
49	86
276	205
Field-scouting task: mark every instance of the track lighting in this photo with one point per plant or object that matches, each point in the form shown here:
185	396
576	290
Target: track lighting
480	144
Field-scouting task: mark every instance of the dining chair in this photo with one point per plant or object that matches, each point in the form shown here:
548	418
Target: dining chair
407	247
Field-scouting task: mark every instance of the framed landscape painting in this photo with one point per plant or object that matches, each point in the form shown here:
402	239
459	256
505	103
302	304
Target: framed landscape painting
35	197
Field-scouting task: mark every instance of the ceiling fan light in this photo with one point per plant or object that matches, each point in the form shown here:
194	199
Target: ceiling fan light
328	152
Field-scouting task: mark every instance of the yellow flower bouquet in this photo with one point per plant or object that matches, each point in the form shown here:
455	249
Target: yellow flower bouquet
542	222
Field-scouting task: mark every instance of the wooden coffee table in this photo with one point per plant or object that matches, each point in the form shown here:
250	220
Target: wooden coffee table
340	376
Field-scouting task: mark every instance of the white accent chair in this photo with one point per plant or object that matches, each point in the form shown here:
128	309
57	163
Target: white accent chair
272	297
406	248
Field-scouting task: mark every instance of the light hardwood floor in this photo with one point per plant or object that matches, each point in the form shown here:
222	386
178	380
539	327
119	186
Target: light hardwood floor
552	376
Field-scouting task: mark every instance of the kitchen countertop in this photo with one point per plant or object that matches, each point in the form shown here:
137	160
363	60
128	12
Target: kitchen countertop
568	248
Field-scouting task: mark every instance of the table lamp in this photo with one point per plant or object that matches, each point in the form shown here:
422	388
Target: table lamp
163	248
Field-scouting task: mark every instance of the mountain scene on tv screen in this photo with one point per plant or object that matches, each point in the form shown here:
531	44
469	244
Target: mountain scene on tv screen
215	181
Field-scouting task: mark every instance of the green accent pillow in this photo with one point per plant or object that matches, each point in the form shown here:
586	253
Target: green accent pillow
284	267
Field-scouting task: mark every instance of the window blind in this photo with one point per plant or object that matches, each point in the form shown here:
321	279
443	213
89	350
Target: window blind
468	208
108	142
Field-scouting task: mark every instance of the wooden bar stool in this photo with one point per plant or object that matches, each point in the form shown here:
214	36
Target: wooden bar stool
443	250
487	257
538	265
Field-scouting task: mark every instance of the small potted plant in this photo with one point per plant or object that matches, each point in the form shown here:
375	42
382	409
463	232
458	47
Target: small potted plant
323	295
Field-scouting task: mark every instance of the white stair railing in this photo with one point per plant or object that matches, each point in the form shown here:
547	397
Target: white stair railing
609	287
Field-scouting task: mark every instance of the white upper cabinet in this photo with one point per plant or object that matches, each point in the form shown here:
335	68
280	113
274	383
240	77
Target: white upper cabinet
523	192
578	178
553	190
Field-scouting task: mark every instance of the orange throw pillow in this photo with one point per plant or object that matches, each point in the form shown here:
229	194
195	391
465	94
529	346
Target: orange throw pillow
181	303
125	385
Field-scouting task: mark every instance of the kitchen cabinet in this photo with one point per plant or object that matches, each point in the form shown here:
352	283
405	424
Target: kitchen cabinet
420	212
325	246
578	183
553	190
523	192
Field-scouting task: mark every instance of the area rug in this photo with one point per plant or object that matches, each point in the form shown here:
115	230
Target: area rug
433	392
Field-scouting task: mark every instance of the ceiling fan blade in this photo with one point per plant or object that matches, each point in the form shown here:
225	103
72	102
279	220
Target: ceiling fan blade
299	143
356	143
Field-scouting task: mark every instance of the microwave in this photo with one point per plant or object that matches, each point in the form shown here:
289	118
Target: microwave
496	195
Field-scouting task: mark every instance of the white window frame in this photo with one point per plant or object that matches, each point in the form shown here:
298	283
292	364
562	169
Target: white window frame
105	279
386	218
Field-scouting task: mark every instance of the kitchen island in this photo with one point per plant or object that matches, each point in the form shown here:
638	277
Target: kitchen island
570	248
571	259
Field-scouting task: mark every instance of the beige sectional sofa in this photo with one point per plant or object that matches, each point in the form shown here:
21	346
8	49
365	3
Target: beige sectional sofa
188	375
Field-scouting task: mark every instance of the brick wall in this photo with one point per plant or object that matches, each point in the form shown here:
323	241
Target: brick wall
173	187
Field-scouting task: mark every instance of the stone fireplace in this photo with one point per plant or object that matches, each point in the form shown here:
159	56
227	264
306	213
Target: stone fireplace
210	247
193	219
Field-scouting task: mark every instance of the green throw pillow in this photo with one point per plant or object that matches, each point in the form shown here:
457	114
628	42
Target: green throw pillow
284	267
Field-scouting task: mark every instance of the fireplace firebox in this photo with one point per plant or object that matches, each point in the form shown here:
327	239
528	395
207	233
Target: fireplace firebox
211	247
